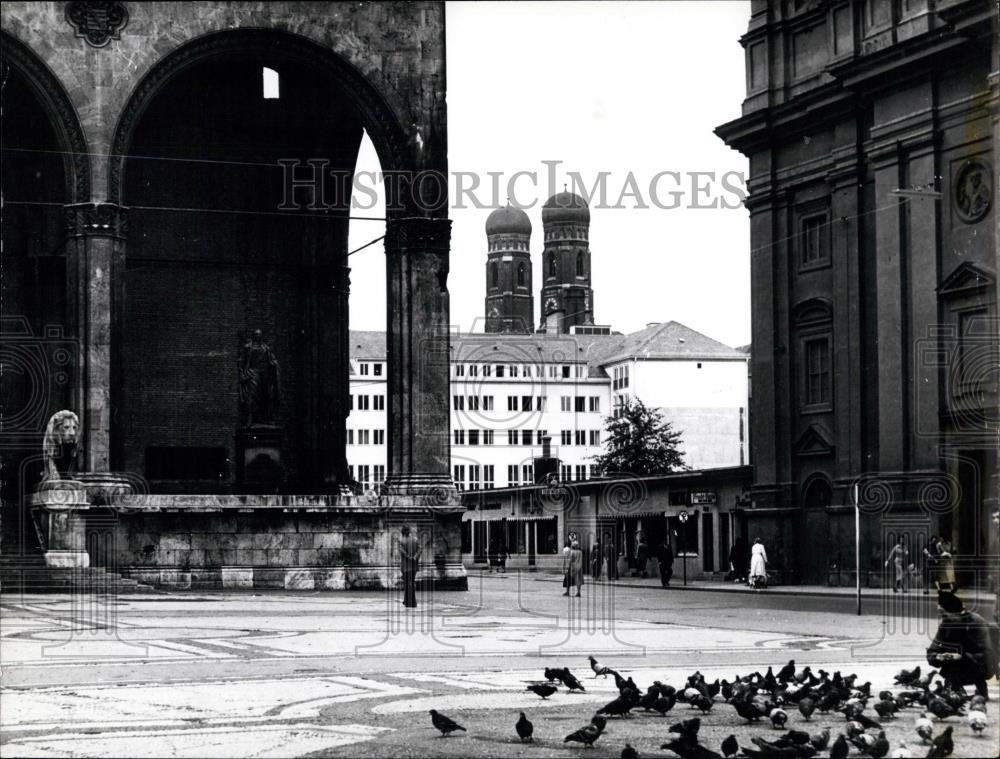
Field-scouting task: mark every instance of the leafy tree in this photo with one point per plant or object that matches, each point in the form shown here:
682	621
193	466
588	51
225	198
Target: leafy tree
641	442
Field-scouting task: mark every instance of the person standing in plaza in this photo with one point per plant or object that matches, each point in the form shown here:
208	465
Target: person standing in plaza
610	557
758	565
930	556
945	567
641	557
409	556
897	555
965	646
596	559
574	571
665	559
738	561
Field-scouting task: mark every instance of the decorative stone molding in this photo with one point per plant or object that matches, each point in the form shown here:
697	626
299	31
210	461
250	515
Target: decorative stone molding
97	22
61	112
96	220
973	193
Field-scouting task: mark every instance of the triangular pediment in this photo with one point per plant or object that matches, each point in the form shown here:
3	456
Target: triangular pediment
966	278
815	441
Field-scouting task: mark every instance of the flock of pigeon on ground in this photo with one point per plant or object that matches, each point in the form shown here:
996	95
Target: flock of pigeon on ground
768	698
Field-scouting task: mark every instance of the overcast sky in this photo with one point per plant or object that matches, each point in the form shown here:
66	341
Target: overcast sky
624	88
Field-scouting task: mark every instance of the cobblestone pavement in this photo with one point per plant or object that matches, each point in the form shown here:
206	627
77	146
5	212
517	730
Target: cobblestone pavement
354	674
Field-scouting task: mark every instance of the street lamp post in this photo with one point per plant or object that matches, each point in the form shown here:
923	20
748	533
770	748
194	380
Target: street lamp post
683	516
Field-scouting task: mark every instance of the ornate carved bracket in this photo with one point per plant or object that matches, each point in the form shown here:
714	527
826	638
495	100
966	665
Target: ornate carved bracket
96	220
97	22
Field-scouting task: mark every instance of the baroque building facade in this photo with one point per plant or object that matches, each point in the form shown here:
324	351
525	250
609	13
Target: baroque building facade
871	128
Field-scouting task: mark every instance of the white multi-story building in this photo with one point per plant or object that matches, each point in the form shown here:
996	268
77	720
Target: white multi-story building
509	392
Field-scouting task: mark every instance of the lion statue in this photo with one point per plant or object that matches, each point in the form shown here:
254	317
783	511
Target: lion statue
59	446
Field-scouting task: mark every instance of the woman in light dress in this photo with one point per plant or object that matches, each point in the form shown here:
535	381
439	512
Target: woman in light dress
758	565
898	556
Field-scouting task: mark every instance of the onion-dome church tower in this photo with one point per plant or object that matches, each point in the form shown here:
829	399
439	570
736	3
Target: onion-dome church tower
567	295
510	305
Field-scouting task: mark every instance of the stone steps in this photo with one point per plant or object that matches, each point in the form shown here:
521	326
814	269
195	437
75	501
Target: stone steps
27	576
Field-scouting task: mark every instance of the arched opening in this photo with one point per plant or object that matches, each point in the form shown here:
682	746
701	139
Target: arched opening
579	264
520	274
238	175
551	263
494	275
44	168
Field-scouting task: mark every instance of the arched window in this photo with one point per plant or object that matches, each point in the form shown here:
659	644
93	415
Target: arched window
552	264
494	275
520	275
579	263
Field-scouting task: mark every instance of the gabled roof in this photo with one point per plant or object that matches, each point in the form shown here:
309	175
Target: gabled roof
671	340
367	345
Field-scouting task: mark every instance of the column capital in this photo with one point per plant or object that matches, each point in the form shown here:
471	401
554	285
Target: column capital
418	233
96	220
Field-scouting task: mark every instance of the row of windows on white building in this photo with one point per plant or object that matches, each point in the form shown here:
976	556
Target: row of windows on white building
591	438
568	403
521	371
483	476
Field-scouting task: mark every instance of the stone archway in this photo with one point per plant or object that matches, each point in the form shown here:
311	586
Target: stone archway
417	243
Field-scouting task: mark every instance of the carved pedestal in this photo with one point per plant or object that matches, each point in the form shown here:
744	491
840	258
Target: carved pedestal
259	468
55	509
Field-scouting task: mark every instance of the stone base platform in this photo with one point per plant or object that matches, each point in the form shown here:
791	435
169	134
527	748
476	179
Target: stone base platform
290	542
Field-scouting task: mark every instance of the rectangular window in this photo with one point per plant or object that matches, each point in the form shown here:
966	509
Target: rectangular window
378	402
350	437
579	404
511	437
487	437
379	437
379	474
581	437
540	403
512	403
473	437
487	403
473	370
350	471
525	403
377	371
527	473
539	435
594	471
487	370
459	370
813	236
595	404
818	372
565	403
565	372
473	476
500	370
365	475
459	437
624	376
581	471
364	369
578	371
512	474
488	477
595	438
363	437
362	403
473	403
350	401
525	437
459	403
567	437
460	476
565	472
513	370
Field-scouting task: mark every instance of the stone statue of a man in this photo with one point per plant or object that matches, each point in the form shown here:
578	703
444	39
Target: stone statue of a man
258	376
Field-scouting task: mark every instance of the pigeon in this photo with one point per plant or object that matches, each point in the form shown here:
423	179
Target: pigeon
977	703
977	721
772	750
886	709
598	670
855	715
585	735
943	745
806	707
854	729
902	752
778	718
554	673
821	740
880	747
839	749
649	698
730	746
787	672
747	710
525	730
690	749
629	753
908	677
925	728
570	681
445	724
770	683
664	704
542	689
704	703
688	729
793	738
620	707
941	708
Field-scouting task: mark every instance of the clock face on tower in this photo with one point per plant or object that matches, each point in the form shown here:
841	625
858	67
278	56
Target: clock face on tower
550	305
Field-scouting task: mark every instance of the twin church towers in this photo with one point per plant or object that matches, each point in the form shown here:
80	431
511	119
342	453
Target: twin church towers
566	294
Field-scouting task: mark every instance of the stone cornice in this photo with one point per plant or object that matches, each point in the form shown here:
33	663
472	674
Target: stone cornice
96	220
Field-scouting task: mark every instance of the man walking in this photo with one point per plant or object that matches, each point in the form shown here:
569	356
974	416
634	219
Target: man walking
409	555
665	558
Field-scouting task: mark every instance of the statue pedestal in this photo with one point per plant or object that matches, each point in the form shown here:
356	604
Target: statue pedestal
258	459
61	530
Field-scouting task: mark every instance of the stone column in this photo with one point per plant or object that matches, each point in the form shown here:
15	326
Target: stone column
419	453
95	249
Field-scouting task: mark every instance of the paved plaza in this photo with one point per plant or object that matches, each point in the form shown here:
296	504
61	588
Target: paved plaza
346	674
